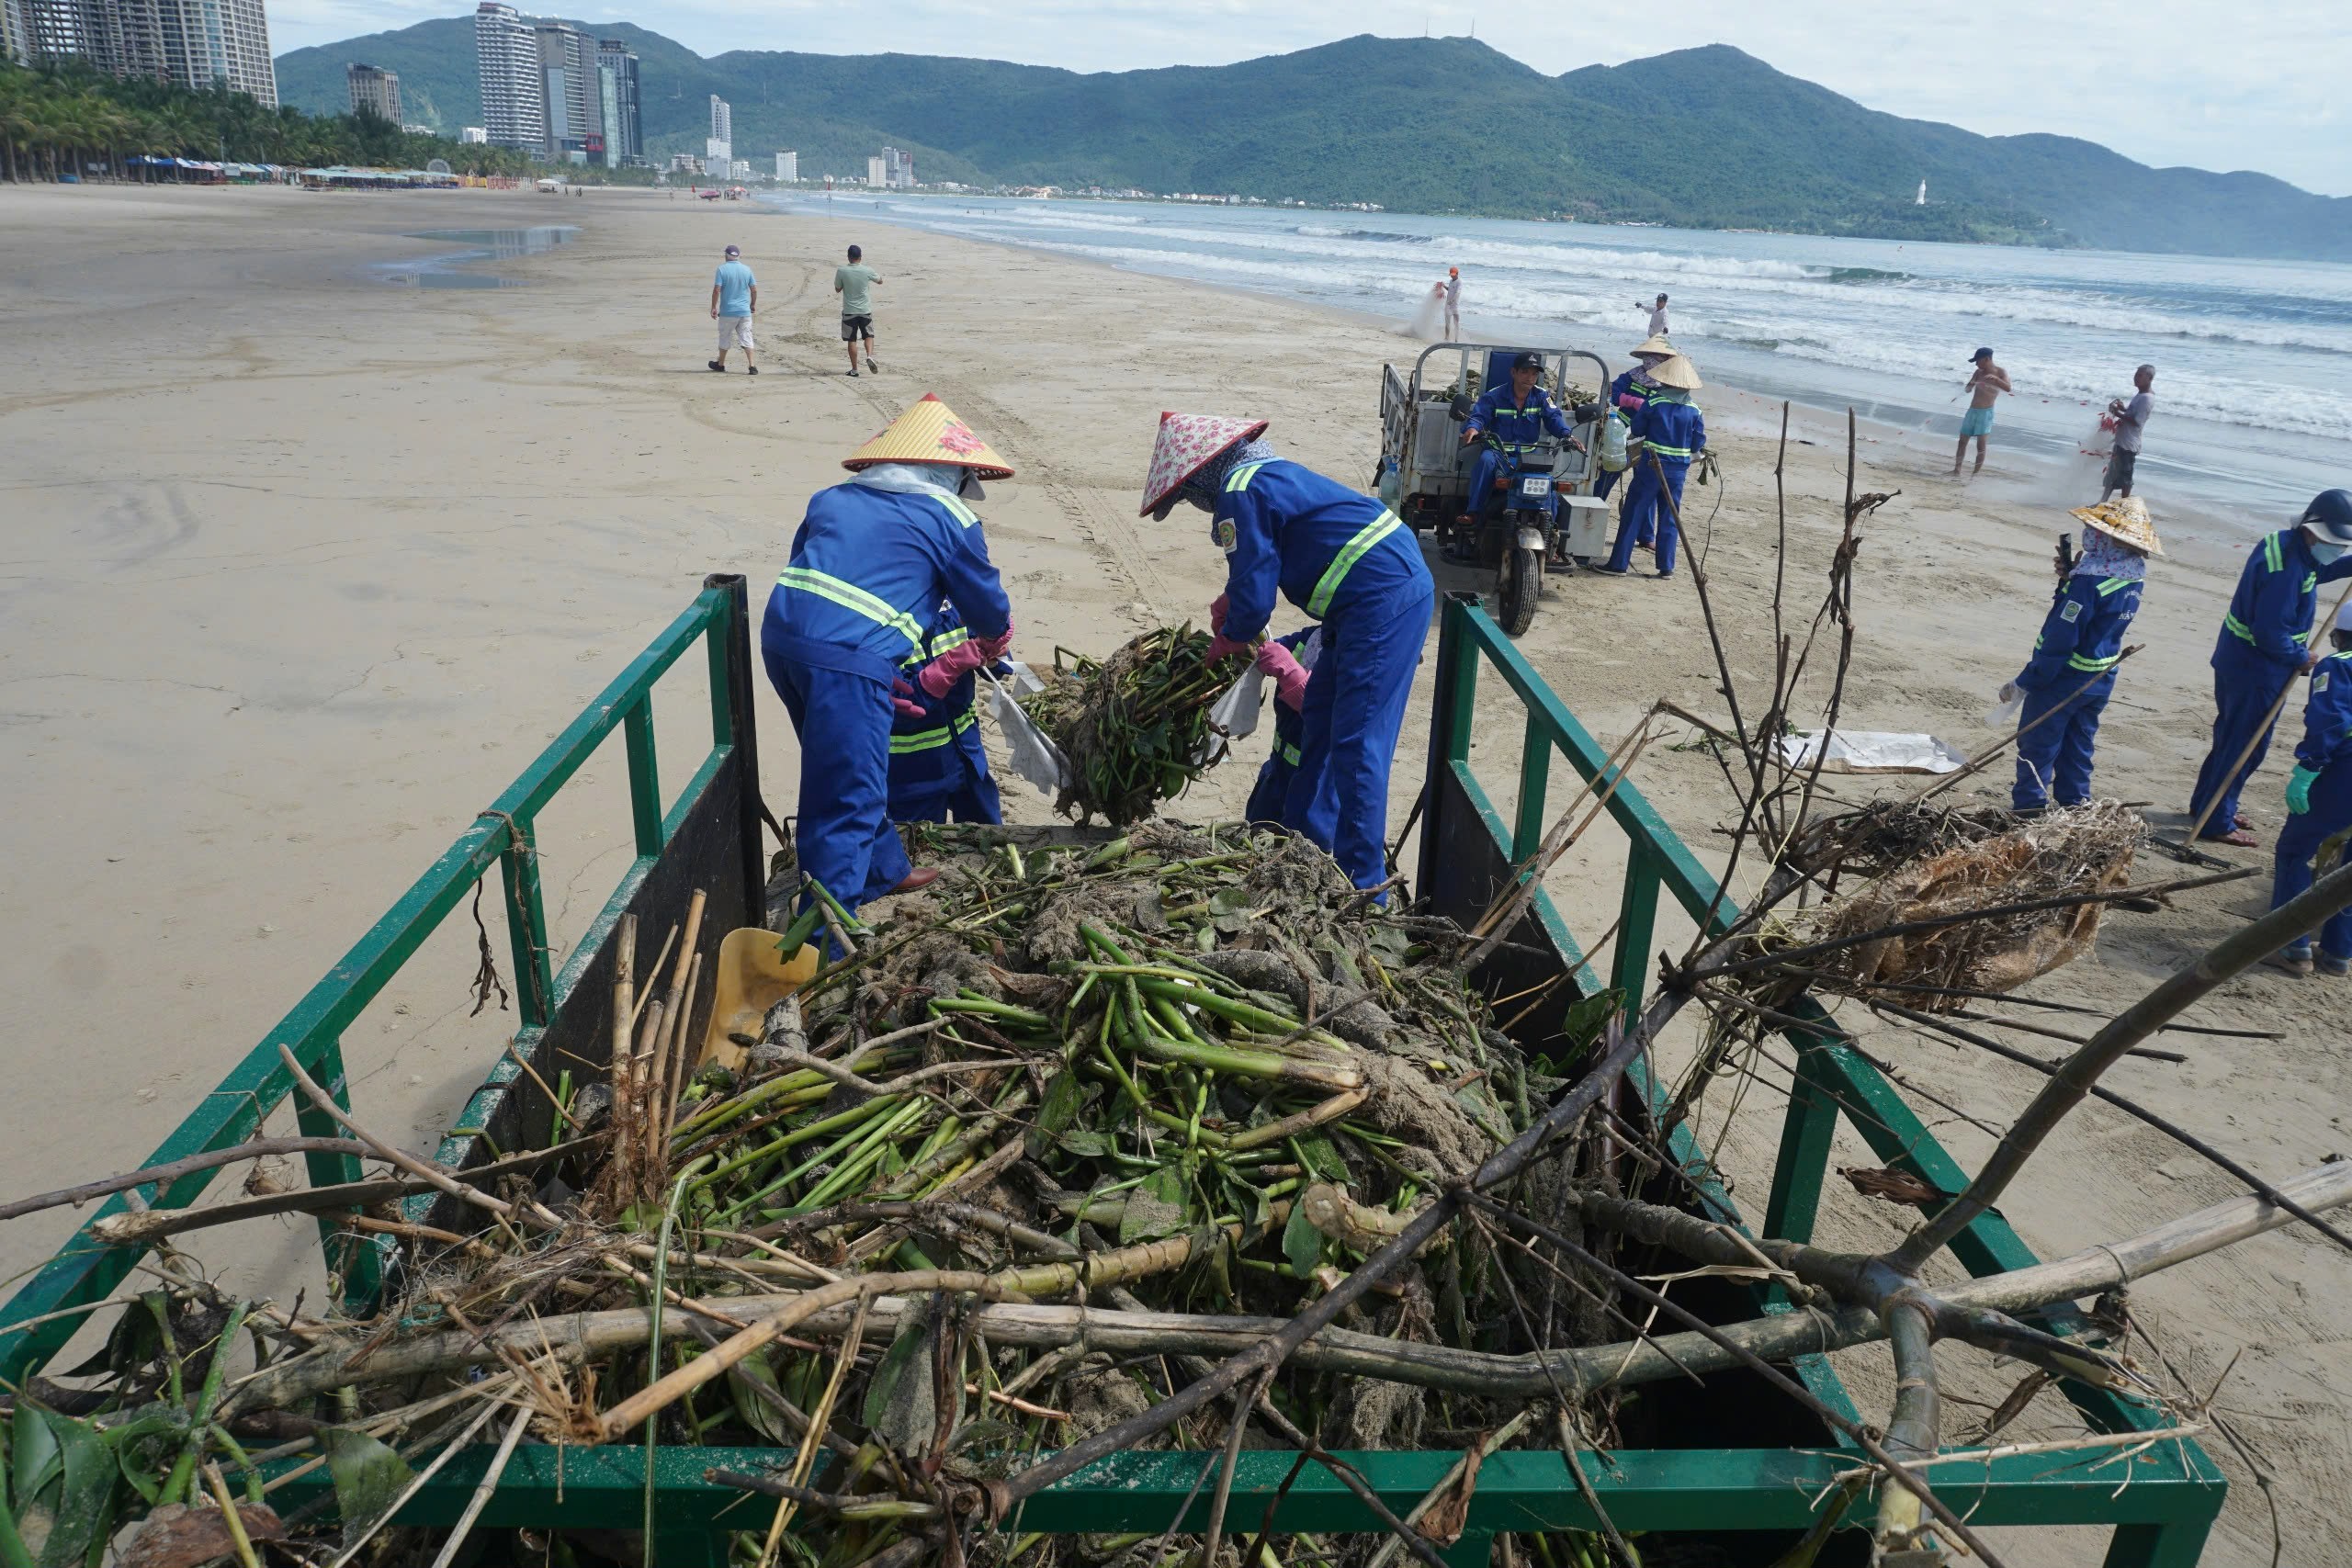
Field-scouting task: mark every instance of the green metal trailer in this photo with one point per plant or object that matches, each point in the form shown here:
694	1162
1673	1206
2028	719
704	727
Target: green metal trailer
1749	1502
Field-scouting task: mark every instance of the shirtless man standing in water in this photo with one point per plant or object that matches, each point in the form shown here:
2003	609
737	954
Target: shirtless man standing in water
1987	381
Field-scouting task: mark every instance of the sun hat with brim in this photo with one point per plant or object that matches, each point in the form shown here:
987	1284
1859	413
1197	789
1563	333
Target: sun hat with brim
1657	343
2125	520
930	432
1187	442
1678	373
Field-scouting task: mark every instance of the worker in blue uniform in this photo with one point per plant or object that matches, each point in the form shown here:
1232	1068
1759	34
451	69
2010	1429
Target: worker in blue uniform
871	563
1508	420
2263	646
939	768
1287	662
1672	433
1348	562
1626	395
2072	673
2319	804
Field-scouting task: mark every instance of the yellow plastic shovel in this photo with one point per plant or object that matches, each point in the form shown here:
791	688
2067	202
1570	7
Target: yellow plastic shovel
752	977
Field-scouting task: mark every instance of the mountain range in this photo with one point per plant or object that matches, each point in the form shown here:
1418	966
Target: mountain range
1705	137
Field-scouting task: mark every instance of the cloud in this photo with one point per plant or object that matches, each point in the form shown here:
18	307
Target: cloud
2162	80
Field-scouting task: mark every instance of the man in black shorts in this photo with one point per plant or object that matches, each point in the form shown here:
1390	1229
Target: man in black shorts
853	283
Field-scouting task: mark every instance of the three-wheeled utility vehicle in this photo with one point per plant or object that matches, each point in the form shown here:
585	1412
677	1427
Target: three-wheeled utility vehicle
1546	516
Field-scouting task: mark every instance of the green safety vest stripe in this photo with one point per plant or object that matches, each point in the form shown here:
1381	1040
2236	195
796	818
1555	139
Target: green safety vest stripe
1240	479
1291	755
2236	627
2272	559
1350	553
2092	666
851	597
2112	584
938	645
930	739
958	509
1664	451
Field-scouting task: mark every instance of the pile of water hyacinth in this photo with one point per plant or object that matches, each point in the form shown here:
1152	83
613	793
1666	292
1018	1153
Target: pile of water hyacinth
1057	1131
1136	727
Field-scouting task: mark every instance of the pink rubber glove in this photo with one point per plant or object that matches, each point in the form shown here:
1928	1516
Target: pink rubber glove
1216	613
1223	646
1289	675
942	674
899	694
996	647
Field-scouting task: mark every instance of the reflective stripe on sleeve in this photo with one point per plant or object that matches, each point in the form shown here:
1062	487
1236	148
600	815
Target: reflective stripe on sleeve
1350	553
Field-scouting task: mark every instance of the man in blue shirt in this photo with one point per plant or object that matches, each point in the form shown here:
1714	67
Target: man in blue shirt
2319	804
870	565
2072	673
2262	647
1349	563
1509	418
734	295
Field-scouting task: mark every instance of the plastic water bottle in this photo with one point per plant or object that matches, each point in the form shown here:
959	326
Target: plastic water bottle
1388	484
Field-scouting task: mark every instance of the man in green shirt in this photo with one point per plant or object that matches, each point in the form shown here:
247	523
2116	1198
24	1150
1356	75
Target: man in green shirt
851	283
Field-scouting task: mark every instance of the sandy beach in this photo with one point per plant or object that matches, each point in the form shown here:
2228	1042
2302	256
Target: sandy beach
302	567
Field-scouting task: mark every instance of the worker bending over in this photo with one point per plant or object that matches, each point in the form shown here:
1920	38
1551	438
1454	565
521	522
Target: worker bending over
2319	804
1509	418
2262	647
871	563
1347	561
2072	673
1671	432
1287	662
939	768
1627	393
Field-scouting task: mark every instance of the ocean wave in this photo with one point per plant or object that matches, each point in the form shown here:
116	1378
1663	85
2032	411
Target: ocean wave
1376	236
1864	275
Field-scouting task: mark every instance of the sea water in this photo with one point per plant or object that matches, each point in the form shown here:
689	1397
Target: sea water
454	269
2254	358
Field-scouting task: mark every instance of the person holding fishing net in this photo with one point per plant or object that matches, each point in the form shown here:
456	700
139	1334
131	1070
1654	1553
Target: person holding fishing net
1349	563
2262	647
872	564
2072	673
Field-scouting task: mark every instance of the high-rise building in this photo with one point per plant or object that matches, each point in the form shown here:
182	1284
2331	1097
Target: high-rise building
625	135
787	168
374	91
473	135
189	43
513	91
722	120
575	110
894	170
877	171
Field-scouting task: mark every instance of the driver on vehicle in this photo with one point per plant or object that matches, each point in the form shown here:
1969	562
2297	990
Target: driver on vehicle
1510	419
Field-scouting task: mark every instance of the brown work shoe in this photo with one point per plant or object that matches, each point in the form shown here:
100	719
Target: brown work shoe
922	877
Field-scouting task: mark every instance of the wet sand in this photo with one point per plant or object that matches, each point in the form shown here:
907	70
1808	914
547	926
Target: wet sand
302	567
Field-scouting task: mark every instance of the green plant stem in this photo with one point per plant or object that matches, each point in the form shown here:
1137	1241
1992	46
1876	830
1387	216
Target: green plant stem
177	1483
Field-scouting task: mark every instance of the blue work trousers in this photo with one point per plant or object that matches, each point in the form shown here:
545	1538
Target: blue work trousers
2299	840
1272	788
1484	497
1354	715
967	793
2246	688
844	837
1646	518
2054	754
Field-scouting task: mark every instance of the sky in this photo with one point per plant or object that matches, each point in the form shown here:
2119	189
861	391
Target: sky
2197	82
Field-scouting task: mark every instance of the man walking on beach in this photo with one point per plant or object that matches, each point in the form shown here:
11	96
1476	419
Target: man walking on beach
851	283
1657	316
734	295
1987	381
2130	425
1454	304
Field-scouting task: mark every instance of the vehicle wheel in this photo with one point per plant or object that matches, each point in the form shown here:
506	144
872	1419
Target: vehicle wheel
1521	581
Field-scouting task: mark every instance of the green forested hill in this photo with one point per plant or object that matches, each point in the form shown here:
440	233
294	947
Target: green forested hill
1705	137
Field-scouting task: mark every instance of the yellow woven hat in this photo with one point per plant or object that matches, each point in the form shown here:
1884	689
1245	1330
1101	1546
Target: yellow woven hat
2124	519
1678	373
930	432
1657	343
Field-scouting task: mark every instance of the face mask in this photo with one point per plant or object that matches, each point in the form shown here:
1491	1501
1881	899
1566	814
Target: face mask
2327	553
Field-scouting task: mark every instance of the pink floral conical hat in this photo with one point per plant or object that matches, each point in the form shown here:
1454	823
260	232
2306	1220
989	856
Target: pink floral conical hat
1186	442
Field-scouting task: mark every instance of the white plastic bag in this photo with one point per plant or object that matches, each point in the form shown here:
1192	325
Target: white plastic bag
2005	716
1233	714
1034	755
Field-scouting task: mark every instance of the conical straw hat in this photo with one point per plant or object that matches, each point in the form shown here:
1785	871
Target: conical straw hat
930	432
2126	519
1657	343
1678	373
1187	441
